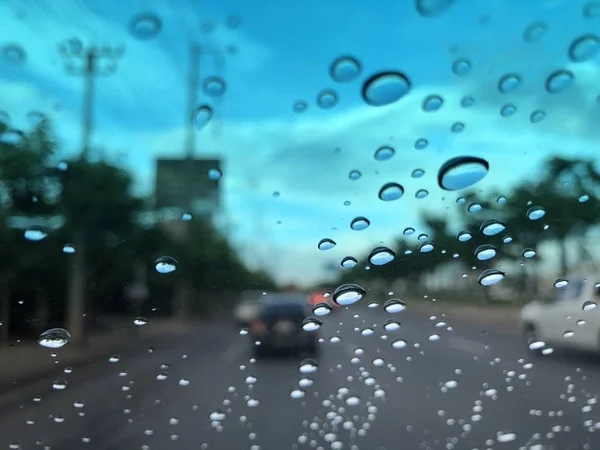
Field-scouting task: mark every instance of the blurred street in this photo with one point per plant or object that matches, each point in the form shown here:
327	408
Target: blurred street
472	388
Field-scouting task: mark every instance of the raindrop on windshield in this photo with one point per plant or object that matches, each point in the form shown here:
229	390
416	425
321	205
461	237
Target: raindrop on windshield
311	324
535	31
474	207
394	306
391	325
354	175
467	101
353	400
559	80
348	294
13	54
202	116
421	144
560	283
390	191
214	86
35	233
299	106
426	247
461	172
537	116
384	153
464	236
408	231
326	244
584	47
492	227
461	67
529	253
485	252
432	103
381	255
421	193
591	10
589	305
68	248
297	394
349	262
490	276
457	127
145	26
215	174
508	110
59	385
509	83
535	213
385	88
345	69
308	366
417	173
432	8
327	99
322	309
360	223
54	338
165	264
140	321
399	343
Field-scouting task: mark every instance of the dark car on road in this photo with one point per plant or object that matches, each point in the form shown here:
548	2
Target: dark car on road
278	326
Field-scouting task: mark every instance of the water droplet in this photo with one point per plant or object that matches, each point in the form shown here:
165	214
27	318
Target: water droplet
485	252
584	48
399	343
432	8
461	67
583	198
139	321
535	31
311	324
580	322
432	103
202	116
591	10
391	325
345	69
536	213
508	110
417	173
381	255
509	83
353	400
214	86
306	382
244	331
457	127
145	26
217	416
390	191
62	166
467	101
68	248
426	247
165	264
348	294
300	106
354	175
161	376
464	236
308	366
408	231
114	359
367	331
327	99
297	394
54	338
492	227
568	334
321	309
537	116
505	437
384	88
536	344
360	223
462	172
326	244
35	233
186	216
215	174
589	305
559	80
434	337
384	153
394	306
184	382
59	385
490	276
421	144
421	193
529	253
13	54
349	262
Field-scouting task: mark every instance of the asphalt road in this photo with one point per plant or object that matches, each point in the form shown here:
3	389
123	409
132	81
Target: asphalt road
469	389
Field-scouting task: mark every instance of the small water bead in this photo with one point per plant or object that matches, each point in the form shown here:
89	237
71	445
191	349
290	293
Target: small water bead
591	10
311	324
140	321
529	253
492	227
345	69
490	277
299	106
536	213
535	31
384	153
433	8
421	144
322	309
559	81
214	86
145	26
348	262
215	174
426	247
508	110
408	231
509	83
326	244
584	47
457	127
464	236
485	252
394	306
537	116
432	103
462	172
421	193
354	175
583	198
35	233
327	99
417	173
391	325
308	366
381	255
165	264
384	88
348	294
54	338
467	101
360	223
390	191
461	67
589	305
475	207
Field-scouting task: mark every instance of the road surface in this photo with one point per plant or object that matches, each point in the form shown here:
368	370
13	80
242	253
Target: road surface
470	389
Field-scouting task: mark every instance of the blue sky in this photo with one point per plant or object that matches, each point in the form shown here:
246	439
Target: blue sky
283	54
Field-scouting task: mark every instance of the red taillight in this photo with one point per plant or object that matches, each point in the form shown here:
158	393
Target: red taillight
257	327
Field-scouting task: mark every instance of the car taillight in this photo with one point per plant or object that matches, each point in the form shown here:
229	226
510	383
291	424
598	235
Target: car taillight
257	327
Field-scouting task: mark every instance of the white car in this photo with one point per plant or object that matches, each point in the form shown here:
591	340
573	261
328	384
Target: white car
568	317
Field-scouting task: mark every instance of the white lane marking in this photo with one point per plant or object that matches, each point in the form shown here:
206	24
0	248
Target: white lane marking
233	352
467	345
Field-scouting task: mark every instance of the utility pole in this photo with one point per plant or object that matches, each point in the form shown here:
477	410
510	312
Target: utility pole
90	68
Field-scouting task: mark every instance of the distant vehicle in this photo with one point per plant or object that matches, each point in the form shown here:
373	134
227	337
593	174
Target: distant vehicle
247	309
567	318
316	297
278	326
